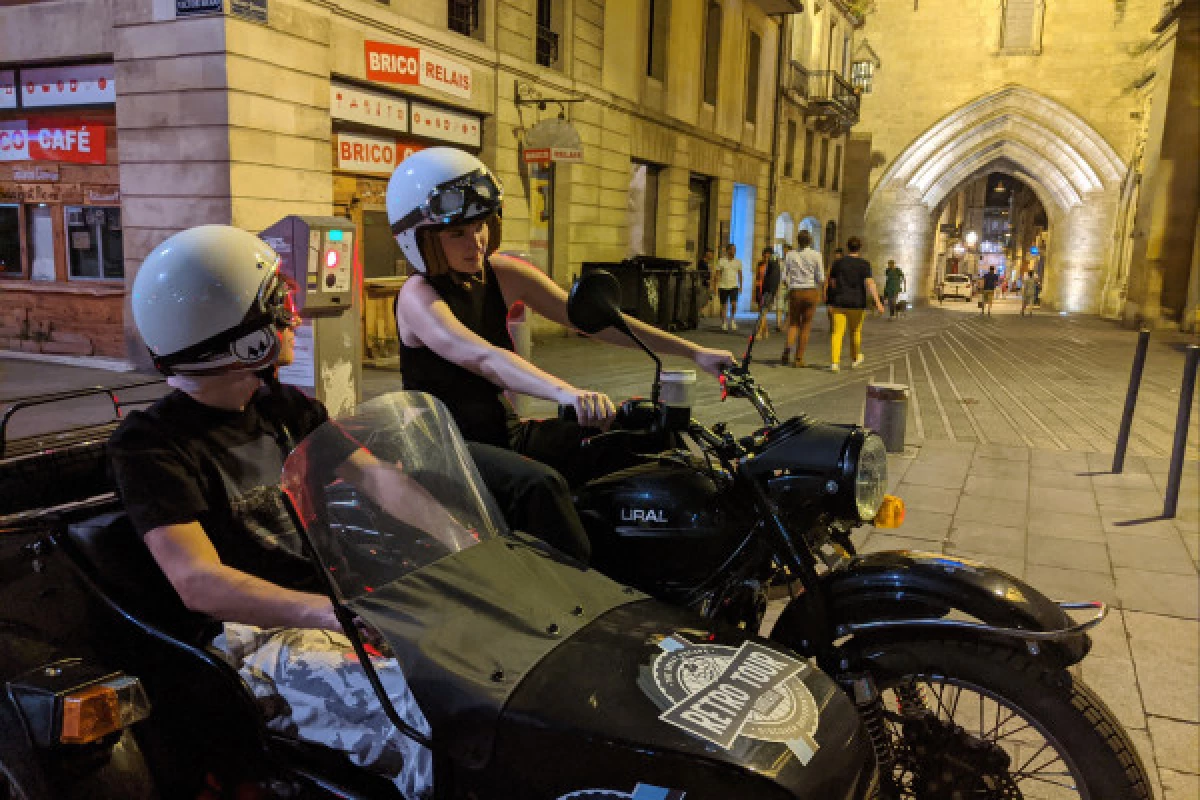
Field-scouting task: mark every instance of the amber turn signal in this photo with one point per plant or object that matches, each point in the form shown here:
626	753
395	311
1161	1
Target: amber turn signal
891	512
91	713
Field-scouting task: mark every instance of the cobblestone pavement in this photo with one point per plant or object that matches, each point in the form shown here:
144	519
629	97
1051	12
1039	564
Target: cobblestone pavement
1010	434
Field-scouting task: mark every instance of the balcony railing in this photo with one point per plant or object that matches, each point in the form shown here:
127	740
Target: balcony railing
797	80
833	100
547	46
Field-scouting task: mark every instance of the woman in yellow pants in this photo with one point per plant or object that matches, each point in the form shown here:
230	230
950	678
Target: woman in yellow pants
850	288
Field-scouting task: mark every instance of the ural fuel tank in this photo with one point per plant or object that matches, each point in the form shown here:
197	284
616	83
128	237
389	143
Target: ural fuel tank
678	712
662	526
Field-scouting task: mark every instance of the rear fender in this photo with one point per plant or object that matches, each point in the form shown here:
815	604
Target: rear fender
904	585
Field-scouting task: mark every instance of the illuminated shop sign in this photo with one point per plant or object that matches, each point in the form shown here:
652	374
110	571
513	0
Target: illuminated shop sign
416	66
43	87
57	140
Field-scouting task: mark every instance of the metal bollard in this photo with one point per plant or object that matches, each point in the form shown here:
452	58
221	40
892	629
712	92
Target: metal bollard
1182	420
1135	383
887	413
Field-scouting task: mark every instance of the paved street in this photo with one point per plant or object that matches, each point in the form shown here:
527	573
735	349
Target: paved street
1010	431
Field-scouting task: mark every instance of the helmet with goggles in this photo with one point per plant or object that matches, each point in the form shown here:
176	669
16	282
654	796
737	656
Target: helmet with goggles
210	300
436	188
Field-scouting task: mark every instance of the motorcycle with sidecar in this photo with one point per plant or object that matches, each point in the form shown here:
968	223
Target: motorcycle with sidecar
540	678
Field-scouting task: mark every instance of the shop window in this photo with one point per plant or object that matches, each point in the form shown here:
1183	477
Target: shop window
806	171
656	39
712	52
40	236
753	54
643	208
10	241
837	167
94	243
789	152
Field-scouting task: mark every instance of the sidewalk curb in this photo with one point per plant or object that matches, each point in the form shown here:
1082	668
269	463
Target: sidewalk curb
90	362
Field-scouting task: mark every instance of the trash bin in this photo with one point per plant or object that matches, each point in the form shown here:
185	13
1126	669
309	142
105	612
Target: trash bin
651	289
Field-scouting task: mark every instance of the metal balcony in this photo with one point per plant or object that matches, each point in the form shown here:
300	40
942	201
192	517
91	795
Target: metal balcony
796	81
833	101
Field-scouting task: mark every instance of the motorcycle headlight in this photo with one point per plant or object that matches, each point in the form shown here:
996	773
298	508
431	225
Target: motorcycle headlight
870	477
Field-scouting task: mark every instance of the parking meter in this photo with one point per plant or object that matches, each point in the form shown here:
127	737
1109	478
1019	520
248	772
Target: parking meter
319	254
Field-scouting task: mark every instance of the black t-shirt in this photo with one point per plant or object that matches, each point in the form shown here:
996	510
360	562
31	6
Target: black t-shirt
989	280
849	278
181	461
771	276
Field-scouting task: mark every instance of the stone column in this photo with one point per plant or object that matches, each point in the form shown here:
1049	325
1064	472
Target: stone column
899	226
1082	239
172	130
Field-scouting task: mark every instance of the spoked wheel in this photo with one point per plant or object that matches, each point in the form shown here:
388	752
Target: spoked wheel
966	721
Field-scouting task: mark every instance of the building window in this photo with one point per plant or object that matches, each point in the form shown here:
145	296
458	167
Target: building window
547	37
1021	26
837	168
39	235
643	208
823	167
94	243
10	241
753	53
463	16
712	52
806	171
656	39
789	153
861	75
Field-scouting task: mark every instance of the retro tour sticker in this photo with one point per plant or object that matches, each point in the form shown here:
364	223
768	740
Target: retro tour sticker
719	693
643	791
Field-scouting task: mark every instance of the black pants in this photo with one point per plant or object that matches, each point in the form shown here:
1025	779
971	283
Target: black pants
530	482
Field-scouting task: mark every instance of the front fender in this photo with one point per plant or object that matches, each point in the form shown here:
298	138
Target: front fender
914	585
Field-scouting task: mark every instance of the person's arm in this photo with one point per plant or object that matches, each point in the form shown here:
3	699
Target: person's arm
522	281
429	318
403	498
870	284
207	586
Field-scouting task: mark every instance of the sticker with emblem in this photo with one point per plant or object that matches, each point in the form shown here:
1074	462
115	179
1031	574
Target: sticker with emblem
719	693
643	791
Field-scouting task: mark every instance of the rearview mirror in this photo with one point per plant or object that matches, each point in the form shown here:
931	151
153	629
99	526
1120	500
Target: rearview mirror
595	302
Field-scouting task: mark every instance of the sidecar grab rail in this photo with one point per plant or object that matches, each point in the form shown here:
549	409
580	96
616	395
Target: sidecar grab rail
1025	634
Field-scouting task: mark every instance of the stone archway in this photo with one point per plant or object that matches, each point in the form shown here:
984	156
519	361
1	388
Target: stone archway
1073	171
785	230
813	226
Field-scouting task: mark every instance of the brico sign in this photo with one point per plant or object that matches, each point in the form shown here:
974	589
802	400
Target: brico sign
30	140
413	66
373	155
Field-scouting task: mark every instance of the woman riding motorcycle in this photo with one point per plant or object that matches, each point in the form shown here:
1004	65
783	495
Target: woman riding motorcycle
444	207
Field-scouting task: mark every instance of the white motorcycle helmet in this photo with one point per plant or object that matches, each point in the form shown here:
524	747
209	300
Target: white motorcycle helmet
210	300
433	189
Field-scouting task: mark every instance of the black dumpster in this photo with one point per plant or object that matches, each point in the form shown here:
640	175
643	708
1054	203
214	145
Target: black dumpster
658	291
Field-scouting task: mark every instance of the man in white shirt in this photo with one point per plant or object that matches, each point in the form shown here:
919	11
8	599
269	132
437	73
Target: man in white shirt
804	278
729	285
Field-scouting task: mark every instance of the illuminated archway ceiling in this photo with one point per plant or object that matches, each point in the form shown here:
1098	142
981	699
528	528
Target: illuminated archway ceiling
1014	130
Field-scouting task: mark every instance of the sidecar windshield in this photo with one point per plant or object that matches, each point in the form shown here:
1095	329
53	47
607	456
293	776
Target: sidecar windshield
387	489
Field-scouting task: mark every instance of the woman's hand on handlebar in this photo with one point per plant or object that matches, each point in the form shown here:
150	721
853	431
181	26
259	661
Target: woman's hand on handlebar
713	361
592	409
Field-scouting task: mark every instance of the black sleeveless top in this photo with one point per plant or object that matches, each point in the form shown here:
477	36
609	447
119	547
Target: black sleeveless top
479	407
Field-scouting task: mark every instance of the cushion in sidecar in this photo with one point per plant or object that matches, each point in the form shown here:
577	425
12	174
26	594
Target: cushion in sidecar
121	566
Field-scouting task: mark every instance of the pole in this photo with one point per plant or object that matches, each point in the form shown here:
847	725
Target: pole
1135	383
1182	420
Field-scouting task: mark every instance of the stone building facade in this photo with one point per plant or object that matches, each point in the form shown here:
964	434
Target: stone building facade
257	110
1043	90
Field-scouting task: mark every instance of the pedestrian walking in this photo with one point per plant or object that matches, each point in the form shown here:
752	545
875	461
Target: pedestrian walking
894	283
990	279
804	278
851	287
1029	290
704	268
766	286
729	286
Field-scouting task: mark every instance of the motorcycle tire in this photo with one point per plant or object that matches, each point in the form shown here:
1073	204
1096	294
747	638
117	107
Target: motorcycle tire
1073	719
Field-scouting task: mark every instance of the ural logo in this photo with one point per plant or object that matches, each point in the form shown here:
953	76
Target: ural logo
643	515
